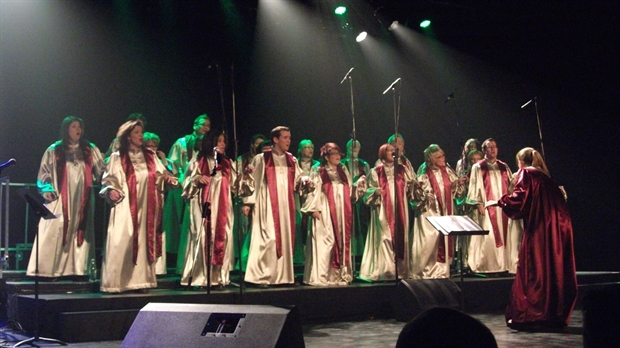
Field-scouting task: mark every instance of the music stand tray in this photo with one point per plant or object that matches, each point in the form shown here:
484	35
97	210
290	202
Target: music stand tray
41	211
38	207
456	225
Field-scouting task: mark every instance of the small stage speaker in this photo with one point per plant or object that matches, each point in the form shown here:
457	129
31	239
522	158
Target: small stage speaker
206	325
413	296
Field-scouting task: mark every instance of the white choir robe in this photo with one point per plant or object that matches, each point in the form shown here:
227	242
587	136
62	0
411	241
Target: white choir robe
378	260
321	239
358	167
195	261
300	249
118	270
264	267
56	260
483	255
175	219
242	222
426	238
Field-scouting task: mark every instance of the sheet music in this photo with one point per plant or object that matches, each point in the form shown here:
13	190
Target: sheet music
456	225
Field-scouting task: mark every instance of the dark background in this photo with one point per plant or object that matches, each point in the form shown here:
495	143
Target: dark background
173	60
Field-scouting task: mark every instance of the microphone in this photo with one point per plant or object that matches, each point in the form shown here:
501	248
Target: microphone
392	85
7	164
528	103
450	97
347	75
215	149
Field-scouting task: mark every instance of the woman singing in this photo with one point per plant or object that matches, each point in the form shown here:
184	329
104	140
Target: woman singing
209	186
390	187
66	175
133	185
328	253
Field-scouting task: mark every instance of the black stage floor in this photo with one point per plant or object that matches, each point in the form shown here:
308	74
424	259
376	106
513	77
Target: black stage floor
69	310
379	333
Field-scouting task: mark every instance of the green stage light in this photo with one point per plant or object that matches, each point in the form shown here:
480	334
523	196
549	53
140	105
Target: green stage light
425	23
340	10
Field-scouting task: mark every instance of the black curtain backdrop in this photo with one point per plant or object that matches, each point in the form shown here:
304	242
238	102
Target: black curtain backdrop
170	60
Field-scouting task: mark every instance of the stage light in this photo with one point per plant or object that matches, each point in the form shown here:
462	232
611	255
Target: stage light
361	36
393	26
340	10
425	23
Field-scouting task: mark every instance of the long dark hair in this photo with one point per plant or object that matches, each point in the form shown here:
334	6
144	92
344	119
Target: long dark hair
64	132
209	141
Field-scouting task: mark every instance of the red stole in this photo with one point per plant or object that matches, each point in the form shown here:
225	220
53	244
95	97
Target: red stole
399	185
445	207
272	185
223	202
61	172
333	214
486	178
153	206
205	203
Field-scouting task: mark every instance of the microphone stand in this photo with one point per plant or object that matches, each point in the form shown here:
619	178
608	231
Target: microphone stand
236	211
206	224
206	216
535	100
458	116
396	106
351	159
43	213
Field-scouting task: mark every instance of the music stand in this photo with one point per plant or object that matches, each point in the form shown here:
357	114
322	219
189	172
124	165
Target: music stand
456	225
43	213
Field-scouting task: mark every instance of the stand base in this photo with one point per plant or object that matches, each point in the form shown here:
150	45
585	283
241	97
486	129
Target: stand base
31	341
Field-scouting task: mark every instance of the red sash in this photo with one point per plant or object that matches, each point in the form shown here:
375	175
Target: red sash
399	185
272	185
445	207
205	203
329	192
153	206
486	178
221	219
61	166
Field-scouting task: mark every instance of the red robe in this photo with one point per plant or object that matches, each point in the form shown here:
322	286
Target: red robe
545	287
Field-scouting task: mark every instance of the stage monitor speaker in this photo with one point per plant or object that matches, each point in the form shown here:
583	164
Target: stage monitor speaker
222	326
413	296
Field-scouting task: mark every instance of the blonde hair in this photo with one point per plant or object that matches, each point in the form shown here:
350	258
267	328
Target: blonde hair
529	156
